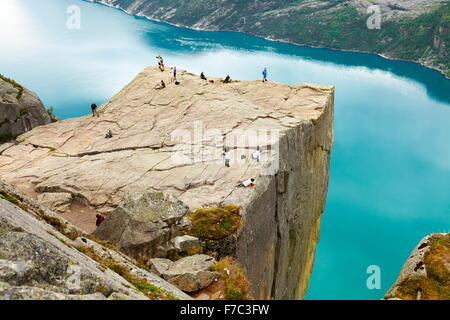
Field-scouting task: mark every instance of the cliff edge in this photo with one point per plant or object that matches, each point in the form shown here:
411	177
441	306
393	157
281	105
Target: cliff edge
175	141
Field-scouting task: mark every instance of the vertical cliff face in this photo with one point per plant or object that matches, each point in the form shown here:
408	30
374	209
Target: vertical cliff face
175	141
282	221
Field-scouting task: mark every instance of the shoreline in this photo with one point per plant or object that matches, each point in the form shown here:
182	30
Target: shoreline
100	2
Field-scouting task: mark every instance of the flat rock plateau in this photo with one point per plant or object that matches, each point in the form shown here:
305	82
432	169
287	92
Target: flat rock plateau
173	141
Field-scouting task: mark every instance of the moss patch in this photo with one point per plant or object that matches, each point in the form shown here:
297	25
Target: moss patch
237	285
24	112
140	284
105	244
436	286
215	223
151	291
13	200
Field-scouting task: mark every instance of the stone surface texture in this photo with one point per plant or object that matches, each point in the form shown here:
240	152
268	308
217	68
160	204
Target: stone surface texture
171	141
37	262
20	115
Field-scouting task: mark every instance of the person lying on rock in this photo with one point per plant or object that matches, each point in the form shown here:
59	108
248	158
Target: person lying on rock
247	183
99	220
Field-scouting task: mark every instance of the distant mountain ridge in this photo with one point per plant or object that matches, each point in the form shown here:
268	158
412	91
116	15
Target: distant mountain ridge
413	30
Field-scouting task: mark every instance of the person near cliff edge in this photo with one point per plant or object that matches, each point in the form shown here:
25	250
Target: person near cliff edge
94	110
202	76
99	220
227	79
160	63
264	75
172	75
247	183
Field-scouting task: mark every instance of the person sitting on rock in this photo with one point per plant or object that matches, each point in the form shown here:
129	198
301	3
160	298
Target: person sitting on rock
109	135
202	76
227	79
247	183
99	220
161	85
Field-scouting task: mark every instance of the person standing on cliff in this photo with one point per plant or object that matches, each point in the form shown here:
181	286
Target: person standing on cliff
264	75
172	75
227	154
160	63
94	110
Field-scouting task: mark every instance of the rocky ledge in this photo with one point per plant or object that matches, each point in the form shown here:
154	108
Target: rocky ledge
174	141
426	273
20	110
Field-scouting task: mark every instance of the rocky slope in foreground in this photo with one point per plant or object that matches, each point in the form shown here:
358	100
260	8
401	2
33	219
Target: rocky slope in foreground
414	30
172	141
426	273
45	257
20	110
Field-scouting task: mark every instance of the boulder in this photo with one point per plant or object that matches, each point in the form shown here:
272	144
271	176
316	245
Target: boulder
426	273
189	274
185	243
19	112
143	226
38	260
59	202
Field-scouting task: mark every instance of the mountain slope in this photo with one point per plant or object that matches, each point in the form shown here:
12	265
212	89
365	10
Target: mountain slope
415	30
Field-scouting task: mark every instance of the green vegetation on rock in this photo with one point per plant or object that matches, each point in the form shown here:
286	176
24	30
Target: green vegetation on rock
215	223
151	291
236	283
436	286
15	85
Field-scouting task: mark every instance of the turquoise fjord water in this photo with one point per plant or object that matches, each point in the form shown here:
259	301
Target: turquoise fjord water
390	170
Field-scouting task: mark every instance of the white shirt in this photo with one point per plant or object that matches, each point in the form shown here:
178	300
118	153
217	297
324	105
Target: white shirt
256	155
